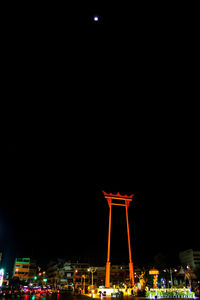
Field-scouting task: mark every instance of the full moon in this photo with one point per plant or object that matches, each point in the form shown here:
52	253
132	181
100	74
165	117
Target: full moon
96	18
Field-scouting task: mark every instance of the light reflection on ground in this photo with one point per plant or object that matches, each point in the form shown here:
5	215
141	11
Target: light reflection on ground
75	297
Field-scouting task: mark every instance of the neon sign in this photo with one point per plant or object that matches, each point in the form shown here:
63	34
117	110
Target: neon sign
1	276
153	272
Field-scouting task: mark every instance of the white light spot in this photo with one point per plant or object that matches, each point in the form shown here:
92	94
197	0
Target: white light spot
96	18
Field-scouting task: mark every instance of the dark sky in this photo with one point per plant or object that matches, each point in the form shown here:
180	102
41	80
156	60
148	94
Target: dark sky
88	103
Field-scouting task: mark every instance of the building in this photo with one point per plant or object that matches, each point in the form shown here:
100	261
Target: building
190	258
101	274
53	268
63	274
24	269
82	278
119	274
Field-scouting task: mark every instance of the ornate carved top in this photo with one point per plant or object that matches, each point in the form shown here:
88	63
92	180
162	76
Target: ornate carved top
118	196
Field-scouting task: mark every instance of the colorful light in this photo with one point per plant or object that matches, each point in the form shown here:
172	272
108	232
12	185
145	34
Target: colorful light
1	276
163	282
155	281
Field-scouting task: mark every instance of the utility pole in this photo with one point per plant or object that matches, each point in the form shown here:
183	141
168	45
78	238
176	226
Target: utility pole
170	270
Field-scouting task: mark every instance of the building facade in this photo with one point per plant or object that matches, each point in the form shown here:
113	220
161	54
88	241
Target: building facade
190	258
119	274
24	269
63	274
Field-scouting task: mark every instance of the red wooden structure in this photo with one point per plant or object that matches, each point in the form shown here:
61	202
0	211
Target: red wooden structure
126	201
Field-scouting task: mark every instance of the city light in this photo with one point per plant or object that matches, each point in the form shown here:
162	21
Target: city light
99	281
1	276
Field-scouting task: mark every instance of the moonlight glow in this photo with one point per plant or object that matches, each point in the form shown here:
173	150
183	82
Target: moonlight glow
96	18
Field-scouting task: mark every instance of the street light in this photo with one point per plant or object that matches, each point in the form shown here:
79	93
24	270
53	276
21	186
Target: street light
170	271
92	270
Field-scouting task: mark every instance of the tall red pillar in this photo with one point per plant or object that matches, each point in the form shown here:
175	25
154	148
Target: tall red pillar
131	272
107	282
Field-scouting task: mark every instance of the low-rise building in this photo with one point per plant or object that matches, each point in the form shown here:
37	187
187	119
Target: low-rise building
66	273
61	273
118	274
53	269
24	268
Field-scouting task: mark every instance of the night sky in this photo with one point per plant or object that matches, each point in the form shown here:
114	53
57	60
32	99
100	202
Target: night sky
109	102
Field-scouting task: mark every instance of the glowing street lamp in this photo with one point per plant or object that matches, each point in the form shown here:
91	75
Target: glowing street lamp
92	270
170	271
